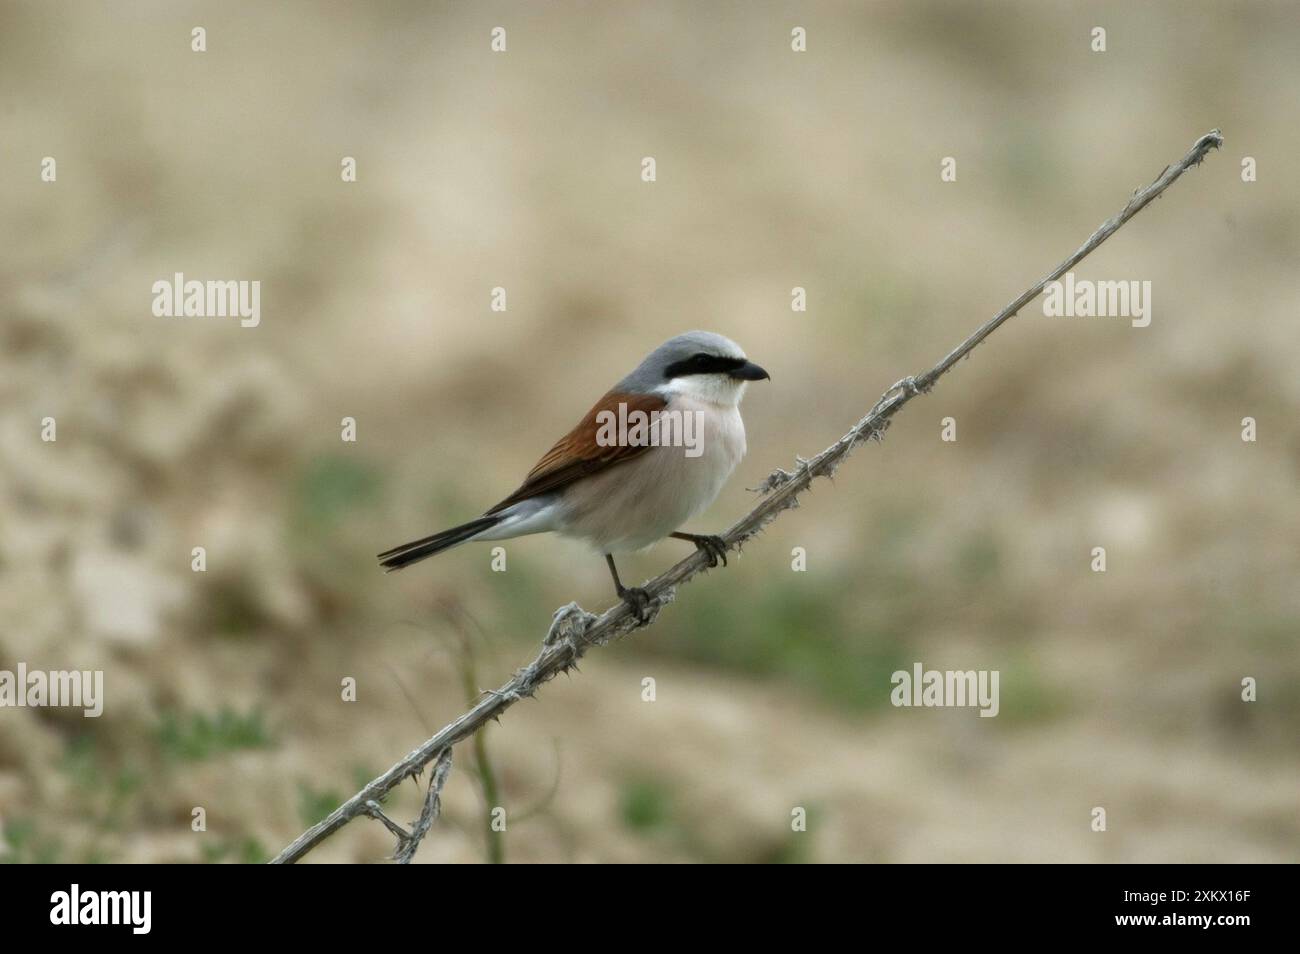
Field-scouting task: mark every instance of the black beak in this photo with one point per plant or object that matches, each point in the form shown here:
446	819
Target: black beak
749	371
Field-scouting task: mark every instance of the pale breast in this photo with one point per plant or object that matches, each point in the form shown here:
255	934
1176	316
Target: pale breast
633	505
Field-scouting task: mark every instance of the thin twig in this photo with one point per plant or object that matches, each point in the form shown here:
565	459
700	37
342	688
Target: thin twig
408	843
376	812
574	631
456	615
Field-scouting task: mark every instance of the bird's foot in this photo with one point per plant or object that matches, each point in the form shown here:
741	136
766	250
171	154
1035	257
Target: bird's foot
714	547
638	600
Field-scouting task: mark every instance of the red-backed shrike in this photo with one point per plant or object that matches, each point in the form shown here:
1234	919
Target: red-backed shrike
621	490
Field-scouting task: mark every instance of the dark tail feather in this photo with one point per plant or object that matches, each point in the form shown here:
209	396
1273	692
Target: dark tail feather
417	550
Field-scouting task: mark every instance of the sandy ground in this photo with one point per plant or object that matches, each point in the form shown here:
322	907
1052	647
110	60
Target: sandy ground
1120	690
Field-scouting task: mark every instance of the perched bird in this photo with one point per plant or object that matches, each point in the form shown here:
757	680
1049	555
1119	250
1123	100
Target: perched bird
620	486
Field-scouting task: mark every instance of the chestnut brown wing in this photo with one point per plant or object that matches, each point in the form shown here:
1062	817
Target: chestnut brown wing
578	454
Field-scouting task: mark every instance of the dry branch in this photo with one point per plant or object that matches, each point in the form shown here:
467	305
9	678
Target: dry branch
573	630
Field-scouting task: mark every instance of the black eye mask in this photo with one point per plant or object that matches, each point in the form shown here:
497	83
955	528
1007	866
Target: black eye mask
704	364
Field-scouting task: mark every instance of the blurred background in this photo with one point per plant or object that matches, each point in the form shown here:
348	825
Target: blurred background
775	169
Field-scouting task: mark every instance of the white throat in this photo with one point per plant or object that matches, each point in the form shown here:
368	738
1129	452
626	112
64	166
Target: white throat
717	389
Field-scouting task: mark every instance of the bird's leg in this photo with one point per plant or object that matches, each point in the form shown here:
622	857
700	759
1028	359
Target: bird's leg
714	547
635	597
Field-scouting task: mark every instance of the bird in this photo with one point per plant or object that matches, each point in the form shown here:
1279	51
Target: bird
621	484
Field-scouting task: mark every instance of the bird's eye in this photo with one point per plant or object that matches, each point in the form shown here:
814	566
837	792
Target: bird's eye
700	363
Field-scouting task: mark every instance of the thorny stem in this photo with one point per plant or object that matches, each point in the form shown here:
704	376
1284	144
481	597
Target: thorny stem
573	630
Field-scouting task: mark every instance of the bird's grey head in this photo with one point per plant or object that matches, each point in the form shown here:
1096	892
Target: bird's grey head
698	361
